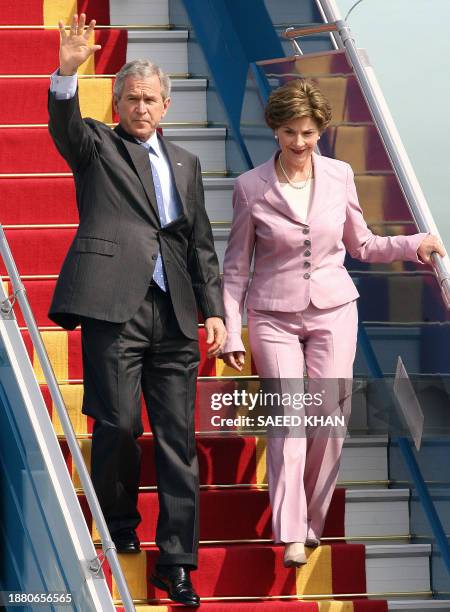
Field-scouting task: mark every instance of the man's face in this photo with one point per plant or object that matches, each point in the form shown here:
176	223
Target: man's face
141	106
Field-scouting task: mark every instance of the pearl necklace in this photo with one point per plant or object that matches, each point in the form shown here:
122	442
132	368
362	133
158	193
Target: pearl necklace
291	183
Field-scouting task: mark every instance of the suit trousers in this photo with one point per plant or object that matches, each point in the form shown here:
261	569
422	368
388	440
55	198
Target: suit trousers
147	354
303	469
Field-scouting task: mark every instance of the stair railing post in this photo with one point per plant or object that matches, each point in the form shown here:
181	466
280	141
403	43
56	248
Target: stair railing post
108	546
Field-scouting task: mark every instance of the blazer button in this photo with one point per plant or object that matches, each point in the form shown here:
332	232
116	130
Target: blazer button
307	243
154	257
305	230
306	264
307	275
307	253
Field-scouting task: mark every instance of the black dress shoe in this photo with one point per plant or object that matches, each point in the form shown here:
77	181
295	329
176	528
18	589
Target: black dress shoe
175	579
126	541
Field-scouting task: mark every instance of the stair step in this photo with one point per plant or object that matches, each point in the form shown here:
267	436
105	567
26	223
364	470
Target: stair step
366	515
256	570
40	54
375	512
360	146
167	48
249	508
40	290
139	12
408	605
64	350
207	143
188	101
245	463
273	604
218	196
54	199
398	568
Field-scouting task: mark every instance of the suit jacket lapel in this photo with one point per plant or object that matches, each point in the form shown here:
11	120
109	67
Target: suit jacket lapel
141	163
273	193
321	188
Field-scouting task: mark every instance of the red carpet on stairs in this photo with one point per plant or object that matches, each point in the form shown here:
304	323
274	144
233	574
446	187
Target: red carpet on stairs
73	358
39	251
26	12
31	12
257	570
42	155
228	513
278	605
40	55
38	200
250	512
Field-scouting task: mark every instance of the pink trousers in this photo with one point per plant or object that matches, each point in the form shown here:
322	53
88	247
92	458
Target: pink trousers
302	470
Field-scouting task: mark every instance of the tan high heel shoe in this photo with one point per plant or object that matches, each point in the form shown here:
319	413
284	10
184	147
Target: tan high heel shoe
294	554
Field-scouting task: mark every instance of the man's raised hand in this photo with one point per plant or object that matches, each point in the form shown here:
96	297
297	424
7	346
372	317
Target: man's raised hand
74	47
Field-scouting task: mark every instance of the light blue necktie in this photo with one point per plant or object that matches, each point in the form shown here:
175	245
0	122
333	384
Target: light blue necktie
158	273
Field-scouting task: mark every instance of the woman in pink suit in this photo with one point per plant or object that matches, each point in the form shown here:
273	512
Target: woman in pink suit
298	214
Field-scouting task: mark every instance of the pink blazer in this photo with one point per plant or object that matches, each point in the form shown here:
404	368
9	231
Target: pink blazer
265	224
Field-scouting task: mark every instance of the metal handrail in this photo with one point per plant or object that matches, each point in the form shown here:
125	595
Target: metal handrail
309	30
292	33
414	195
108	546
164	26
420	211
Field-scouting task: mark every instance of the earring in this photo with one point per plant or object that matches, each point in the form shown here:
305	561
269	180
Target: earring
276	136
318	138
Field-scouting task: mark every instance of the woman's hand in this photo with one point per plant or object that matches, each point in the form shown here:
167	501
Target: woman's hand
430	244
235	360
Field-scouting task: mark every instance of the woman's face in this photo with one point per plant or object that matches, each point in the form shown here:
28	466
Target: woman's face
297	139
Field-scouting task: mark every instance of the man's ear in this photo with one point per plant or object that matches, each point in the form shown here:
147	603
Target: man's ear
115	104
167	102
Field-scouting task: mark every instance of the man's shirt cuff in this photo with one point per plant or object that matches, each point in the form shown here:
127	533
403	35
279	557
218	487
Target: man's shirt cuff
63	87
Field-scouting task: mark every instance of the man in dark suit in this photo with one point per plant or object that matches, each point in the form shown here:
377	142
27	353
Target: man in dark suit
141	262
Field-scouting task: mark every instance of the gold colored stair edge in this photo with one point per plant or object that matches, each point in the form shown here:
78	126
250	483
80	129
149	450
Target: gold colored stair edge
71	381
204	173
180	75
98	543
69	174
255	486
167	124
38	226
201	325
55	328
165	26
390	272
33	226
329	596
308	75
203	487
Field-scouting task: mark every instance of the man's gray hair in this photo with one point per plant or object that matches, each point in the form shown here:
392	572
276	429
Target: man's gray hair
142	68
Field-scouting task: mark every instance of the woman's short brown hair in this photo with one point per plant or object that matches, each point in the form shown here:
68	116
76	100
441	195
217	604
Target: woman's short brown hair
296	99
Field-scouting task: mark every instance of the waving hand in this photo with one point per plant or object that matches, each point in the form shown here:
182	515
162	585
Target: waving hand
74	47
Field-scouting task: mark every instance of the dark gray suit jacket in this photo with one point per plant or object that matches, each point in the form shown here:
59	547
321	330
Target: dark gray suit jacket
109	266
